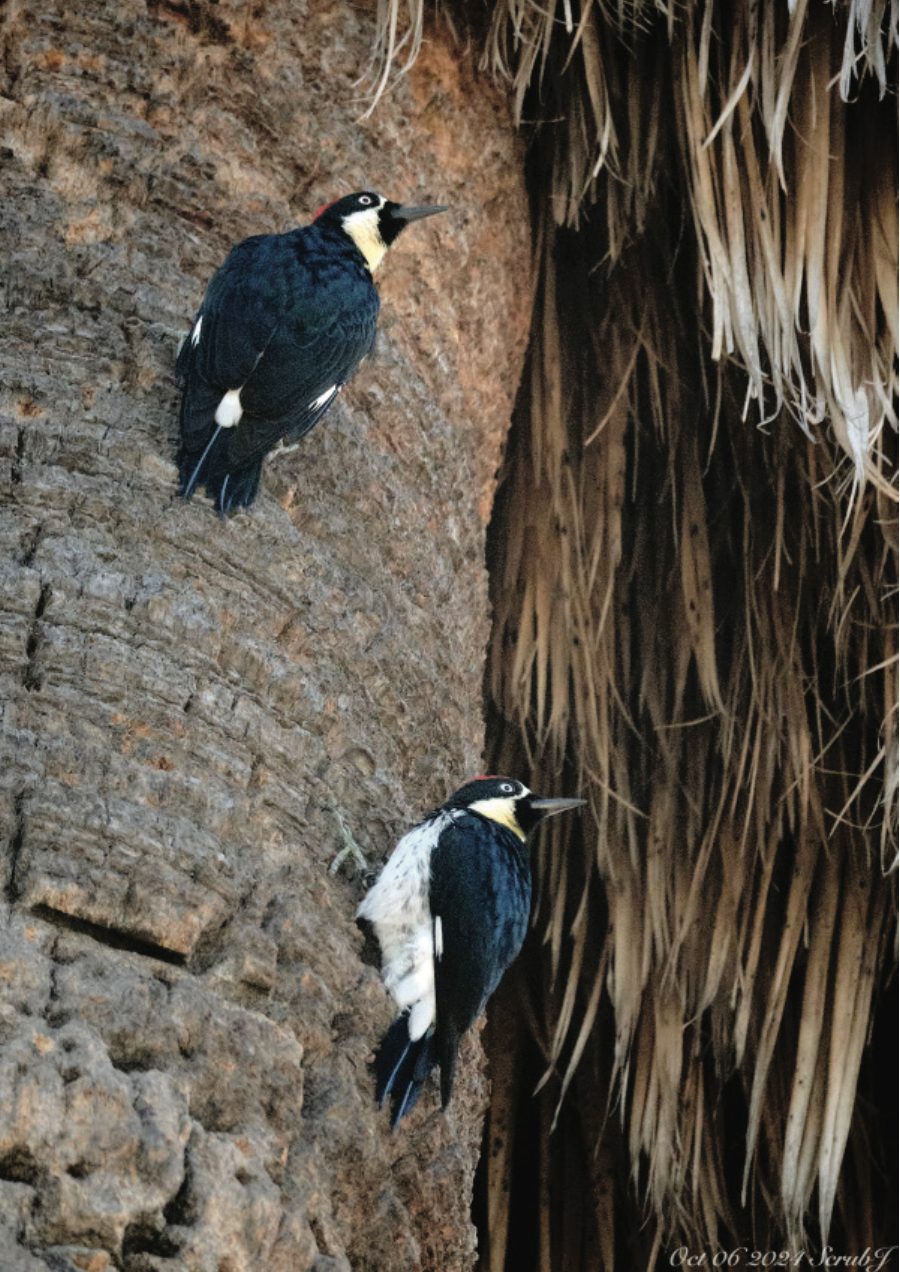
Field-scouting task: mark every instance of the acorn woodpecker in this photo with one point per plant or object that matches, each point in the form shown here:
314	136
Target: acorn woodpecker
283	326
450	910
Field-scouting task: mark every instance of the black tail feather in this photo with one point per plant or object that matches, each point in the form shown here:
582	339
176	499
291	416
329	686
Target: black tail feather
236	489
192	470
227	487
401	1066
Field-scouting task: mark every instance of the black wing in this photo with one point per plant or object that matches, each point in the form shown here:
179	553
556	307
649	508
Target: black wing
295	381
240	311
481	892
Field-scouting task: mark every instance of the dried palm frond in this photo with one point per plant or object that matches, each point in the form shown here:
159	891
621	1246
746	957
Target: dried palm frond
702	648
390	42
802	293
695	621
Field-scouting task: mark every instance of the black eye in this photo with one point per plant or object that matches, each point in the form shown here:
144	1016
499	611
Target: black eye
507	788
364	200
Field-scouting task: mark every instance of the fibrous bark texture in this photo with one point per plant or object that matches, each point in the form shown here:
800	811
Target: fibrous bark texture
194	709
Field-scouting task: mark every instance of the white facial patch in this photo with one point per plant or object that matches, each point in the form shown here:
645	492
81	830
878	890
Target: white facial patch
500	810
363	228
195	334
229	410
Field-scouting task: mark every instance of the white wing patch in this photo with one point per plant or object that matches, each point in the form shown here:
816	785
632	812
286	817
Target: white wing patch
398	908
195	334
324	398
229	410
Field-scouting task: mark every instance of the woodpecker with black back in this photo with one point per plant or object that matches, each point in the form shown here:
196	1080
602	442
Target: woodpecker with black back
283	326
450	910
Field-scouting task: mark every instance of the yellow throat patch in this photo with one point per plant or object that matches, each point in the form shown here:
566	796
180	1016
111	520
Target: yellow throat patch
500	810
363	229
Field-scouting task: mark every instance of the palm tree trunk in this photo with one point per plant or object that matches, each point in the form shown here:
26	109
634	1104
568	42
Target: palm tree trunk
195	708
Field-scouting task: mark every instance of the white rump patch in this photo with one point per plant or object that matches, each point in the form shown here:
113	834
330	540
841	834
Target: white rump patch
421	1018
195	334
229	410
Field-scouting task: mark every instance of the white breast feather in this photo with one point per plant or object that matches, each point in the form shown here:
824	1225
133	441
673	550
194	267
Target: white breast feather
397	907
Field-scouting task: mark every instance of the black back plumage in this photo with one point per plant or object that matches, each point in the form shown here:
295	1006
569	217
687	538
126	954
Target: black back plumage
287	318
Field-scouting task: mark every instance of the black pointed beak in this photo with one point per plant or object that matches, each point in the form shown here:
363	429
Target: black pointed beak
550	807
416	214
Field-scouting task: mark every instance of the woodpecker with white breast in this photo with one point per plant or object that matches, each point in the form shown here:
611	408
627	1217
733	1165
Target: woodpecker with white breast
283	326
450	910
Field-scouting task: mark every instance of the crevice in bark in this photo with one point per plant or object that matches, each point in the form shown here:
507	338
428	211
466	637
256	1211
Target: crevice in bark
196	15
18	1166
107	936
319	1234
135	1062
181	1210
31	677
31	541
15	847
54	1013
15	476
210	948
142	1238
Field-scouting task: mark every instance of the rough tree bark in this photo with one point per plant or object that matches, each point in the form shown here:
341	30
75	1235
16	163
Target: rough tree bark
192	706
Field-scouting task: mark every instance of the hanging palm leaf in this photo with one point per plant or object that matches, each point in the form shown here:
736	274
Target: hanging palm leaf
694	559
